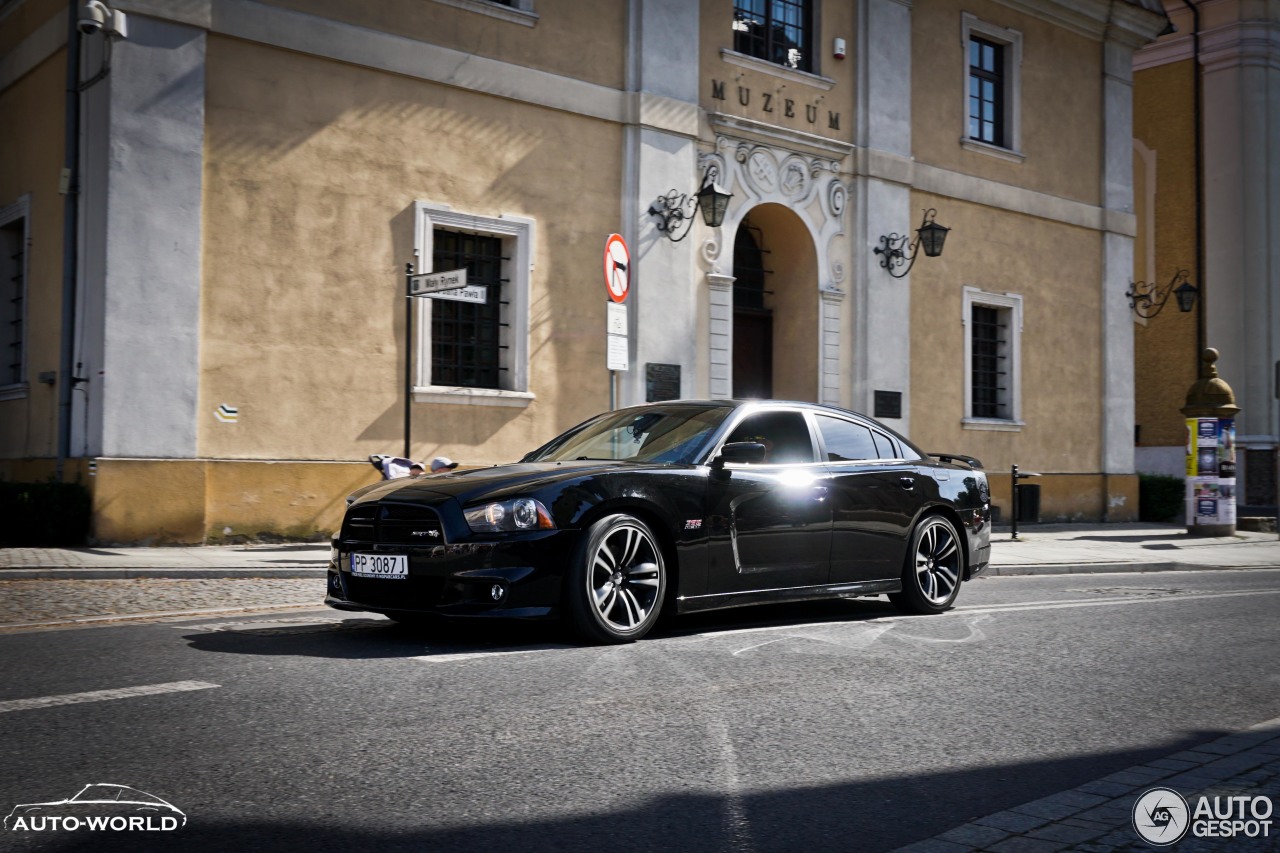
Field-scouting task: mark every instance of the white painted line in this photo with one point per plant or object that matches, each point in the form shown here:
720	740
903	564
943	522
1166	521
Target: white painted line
90	621
104	695
455	657
1109	602
965	611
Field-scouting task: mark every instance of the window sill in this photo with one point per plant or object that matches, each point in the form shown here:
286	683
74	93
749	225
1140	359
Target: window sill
994	424
472	396
17	391
494	10
742	60
997	151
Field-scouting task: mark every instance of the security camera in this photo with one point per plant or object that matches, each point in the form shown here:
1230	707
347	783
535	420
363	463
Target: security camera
96	17
93	17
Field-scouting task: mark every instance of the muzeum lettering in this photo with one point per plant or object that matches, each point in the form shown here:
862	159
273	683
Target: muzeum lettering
769	101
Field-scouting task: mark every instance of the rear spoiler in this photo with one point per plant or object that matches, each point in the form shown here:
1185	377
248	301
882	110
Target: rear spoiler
956	457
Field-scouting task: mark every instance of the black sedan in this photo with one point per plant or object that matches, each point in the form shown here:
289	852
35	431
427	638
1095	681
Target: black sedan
680	506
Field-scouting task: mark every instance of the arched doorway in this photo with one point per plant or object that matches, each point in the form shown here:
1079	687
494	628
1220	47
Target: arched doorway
776	320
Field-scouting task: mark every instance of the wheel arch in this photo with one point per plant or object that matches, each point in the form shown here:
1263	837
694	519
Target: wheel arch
654	519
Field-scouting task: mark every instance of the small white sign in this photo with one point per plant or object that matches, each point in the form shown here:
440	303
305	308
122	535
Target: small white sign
615	318
617	354
479	293
432	282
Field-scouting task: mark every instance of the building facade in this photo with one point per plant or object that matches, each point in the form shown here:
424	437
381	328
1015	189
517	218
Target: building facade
1207	191
254	177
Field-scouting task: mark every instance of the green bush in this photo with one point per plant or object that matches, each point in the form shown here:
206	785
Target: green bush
44	514
1161	498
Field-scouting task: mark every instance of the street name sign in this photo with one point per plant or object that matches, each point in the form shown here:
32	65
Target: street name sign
425	283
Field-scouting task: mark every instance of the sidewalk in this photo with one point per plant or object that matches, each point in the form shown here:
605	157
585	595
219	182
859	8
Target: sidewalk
1040	549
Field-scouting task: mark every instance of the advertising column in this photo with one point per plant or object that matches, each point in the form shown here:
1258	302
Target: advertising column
1211	472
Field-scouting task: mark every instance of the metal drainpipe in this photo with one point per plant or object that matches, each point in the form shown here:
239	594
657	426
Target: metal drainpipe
1198	110
66	380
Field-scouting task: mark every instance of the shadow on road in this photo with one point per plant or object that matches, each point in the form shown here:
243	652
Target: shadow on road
866	815
371	638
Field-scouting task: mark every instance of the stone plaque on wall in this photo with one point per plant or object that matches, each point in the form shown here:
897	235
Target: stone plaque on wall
661	382
888	404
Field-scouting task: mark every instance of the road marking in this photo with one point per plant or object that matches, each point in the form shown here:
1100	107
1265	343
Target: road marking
973	610
152	616
454	657
1093	602
104	695
886	621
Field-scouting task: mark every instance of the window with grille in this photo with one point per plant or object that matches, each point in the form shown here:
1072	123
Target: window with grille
474	353
777	31
992	358
989	346
467	337
13	296
986	91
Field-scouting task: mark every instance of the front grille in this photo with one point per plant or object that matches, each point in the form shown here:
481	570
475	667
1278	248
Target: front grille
396	524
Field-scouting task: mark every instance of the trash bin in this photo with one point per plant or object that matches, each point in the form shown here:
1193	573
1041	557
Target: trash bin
1029	503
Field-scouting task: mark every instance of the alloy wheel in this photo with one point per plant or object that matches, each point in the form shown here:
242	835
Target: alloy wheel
937	562
624	577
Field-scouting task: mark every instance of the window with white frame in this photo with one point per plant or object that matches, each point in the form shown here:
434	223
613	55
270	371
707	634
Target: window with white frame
777	31
14	239
993	88
992	359
474	349
513	11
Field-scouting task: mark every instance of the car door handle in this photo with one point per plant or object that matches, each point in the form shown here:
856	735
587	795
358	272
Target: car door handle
907	482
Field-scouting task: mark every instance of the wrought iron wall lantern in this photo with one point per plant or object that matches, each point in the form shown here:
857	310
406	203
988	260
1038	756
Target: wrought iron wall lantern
930	236
1147	300
673	208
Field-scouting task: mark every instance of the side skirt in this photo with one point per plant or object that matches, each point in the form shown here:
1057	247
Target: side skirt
693	604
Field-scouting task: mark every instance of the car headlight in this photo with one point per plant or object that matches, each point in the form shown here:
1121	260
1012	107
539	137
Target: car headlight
513	515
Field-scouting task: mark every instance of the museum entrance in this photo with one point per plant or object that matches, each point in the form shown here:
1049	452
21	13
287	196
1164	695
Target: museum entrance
775	307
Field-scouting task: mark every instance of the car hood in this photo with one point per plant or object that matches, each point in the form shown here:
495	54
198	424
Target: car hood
500	481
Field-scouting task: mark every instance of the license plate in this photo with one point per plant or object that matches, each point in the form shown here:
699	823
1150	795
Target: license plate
394	566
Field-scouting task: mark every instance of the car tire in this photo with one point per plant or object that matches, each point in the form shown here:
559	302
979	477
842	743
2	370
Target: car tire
616	585
933	568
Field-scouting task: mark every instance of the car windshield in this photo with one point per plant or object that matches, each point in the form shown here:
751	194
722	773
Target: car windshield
652	434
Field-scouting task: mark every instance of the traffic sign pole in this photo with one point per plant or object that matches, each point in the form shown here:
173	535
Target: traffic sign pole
408	355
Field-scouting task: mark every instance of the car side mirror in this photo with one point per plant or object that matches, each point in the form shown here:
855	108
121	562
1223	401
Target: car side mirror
744	452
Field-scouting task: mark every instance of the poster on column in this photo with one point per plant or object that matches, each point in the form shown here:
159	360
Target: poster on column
1211	471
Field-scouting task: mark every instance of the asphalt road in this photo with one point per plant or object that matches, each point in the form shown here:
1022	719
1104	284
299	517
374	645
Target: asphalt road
834	726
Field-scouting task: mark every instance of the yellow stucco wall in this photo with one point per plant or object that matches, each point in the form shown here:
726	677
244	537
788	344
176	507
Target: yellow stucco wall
1061	76
1072	497
1002	252
1165	346
24	19
30	164
837	21
193	501
309	196
576	39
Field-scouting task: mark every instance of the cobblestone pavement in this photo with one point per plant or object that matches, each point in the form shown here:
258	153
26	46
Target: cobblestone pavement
1097	817
33	601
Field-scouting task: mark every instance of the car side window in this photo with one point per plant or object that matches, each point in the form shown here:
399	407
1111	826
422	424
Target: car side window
785	436
885	448
847	441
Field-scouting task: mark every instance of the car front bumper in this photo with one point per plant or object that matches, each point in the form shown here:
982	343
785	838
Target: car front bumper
517	577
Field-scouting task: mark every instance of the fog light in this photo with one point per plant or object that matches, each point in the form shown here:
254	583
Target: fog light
496	592
335	582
